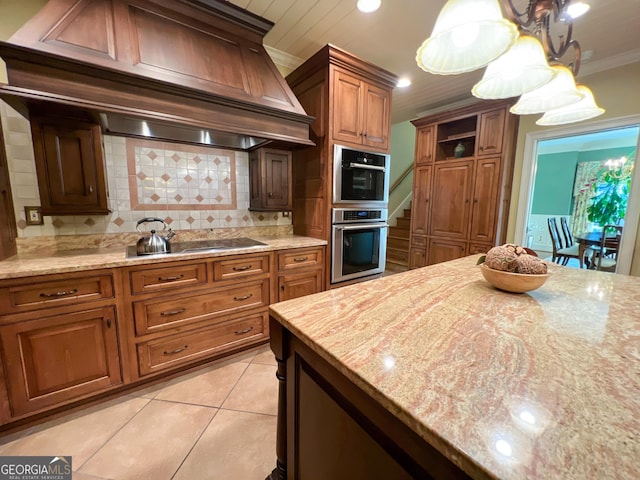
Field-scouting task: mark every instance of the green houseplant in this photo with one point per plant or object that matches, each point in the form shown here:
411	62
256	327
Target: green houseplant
608	205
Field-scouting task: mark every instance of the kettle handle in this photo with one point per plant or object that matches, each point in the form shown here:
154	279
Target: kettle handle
151	219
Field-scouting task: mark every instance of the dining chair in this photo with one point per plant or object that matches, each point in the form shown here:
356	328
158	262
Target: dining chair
568	238
561	254
606	258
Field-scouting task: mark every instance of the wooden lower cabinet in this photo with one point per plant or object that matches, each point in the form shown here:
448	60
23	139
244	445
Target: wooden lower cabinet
443	250
300	272
179	349
67	338
329	428
60	358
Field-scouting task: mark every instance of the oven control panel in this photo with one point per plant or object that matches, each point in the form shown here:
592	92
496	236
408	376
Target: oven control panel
351	215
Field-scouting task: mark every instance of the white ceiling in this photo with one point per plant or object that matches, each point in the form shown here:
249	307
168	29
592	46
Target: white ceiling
389	38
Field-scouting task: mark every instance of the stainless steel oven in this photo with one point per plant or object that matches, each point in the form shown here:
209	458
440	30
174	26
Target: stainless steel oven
360	177
359	243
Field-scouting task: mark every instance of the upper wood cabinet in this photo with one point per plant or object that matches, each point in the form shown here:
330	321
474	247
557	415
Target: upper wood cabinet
464	169
270	180
491	132
70	166
424	145
361	111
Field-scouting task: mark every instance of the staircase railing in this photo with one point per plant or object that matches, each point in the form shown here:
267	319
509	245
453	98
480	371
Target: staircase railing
404	175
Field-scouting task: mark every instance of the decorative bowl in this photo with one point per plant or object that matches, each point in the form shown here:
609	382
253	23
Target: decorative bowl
513	282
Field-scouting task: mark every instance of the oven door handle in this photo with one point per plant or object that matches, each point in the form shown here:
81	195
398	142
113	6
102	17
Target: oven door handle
367	167
361	227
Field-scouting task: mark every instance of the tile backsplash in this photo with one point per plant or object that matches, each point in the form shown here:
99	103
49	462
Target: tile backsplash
190	187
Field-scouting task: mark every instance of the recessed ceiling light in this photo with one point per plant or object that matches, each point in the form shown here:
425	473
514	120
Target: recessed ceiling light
403	83
368	6
575	10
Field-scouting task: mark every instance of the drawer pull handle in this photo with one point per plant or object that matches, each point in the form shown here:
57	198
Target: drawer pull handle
59	294
301	259
242	269
170	279
177	350
172	312
242	332
244	297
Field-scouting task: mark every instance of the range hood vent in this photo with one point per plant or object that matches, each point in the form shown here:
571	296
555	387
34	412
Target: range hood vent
192	71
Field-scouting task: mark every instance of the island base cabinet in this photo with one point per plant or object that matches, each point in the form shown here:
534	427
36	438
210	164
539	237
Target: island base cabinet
55	360
328	427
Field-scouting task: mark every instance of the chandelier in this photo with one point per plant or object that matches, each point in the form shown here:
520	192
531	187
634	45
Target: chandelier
523	54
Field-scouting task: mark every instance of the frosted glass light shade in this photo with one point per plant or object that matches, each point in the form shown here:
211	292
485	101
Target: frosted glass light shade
559	92
582	110
468	34
519	70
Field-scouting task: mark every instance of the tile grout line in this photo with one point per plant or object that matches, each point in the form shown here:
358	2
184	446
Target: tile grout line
114	434
210	421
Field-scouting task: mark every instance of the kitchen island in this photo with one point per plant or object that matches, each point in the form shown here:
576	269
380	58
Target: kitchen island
433	373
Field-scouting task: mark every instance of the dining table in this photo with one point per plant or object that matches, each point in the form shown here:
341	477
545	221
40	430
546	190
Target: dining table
591	239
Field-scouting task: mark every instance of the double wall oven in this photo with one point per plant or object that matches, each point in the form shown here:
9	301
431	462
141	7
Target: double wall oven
359	217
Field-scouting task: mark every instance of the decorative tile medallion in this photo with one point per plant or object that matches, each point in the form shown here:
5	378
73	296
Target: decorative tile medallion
174	176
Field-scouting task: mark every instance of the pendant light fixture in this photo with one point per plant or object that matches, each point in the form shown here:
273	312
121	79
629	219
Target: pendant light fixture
521	69
576	112
518	49
468	34
559	92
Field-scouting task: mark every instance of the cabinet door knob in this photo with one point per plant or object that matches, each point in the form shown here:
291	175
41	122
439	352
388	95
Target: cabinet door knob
108	323
481	148
90	188
270	194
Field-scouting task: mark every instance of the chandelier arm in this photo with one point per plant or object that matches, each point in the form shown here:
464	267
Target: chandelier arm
521	19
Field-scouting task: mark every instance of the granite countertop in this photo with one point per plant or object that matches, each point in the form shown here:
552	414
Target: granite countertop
23	265
544	384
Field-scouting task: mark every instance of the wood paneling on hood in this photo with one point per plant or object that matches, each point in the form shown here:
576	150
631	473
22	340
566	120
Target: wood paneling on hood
199	64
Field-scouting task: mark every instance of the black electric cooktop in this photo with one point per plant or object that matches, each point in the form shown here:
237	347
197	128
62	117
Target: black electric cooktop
201	246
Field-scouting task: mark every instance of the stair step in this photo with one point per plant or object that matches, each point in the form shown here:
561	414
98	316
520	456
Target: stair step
407	213
399	232
398	255
398	242
403	222
396	266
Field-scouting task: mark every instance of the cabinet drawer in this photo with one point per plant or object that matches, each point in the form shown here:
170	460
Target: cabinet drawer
479	248
242	266
174	276
22	296
186	347
300	258
163	314
418	241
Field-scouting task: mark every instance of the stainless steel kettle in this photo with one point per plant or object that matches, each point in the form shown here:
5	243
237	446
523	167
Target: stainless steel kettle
154	243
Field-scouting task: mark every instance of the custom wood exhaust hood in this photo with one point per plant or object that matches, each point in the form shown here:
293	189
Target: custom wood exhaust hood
193	71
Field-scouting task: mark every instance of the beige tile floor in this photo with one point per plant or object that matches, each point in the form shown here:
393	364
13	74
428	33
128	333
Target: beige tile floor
218	422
